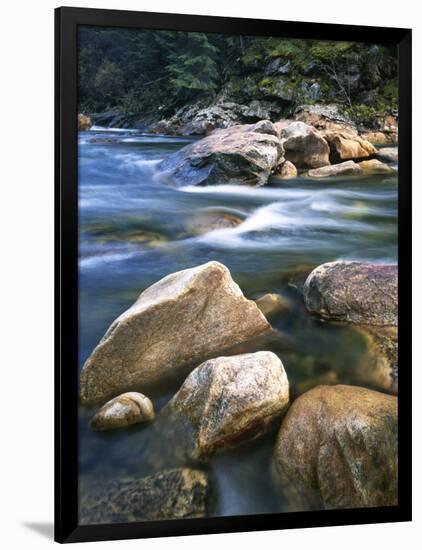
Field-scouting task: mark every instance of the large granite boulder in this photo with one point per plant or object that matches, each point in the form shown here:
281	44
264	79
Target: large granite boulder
347	145
337	448
172	494
304	146
122	411
175	324
354	292
223	403
244	154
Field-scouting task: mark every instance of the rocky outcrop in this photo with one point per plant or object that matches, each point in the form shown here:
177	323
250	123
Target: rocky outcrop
337	448
142	347
271	304
122	411
84	122
245	154
354	292
389	154
173	494
375	167
304	146
347	145
348	168
223	403
324	117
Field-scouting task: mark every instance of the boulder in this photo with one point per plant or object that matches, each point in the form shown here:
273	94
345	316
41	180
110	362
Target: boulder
172	494
272	304
375	167
286	171
175	324
245	154
223	403
354	292
122	411
337	448
389	154
376	138
348	168
84	122
346	145
304	146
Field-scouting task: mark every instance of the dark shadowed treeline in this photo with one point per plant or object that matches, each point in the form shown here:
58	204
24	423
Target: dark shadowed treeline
157	72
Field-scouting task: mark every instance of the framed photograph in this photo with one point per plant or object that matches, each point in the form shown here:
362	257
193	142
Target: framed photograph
233	289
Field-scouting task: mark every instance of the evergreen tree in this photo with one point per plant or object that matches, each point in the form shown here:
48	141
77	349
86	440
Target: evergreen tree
192	65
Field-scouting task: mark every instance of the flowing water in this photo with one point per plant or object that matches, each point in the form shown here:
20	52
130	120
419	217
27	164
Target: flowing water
135	228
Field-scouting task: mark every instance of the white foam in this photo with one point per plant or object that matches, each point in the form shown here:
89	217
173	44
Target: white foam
114	257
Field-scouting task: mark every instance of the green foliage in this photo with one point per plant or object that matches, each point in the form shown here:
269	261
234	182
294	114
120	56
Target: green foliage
192	64
324	52
150	74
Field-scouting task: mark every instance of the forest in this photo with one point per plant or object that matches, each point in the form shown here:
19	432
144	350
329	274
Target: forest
146	76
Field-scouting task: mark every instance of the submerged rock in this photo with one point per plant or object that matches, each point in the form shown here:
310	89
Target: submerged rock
175	324
378	366
374	166
172	494
122	411
304	146
84	122
272	304
348	168
389	154
210	220
223	403
347	145
354	292
244	154
337	448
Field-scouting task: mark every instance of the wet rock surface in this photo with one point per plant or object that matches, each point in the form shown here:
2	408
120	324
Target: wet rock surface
346	454
122	411
142	346
172	494
223	403
304	146
243	154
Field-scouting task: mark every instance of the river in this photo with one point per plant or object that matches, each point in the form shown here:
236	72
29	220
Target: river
134	228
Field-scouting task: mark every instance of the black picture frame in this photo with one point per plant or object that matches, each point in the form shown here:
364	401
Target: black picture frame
67	20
